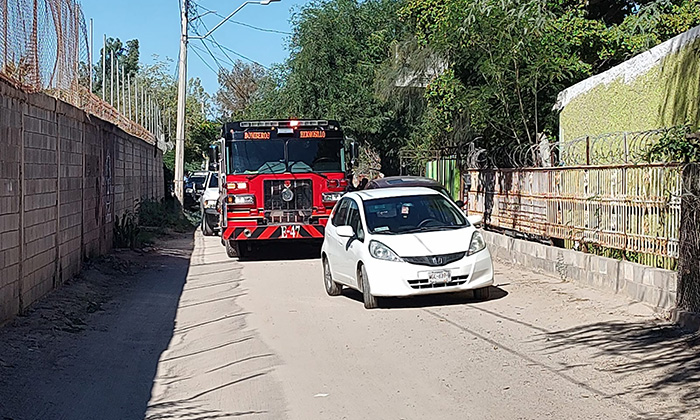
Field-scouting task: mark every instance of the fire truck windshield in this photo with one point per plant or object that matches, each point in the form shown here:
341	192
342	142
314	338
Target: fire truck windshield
256	157
314	155
268	156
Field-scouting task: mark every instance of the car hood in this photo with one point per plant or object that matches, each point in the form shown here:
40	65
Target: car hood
428	243
211	194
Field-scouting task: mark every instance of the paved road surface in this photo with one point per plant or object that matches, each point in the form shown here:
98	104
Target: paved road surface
260	339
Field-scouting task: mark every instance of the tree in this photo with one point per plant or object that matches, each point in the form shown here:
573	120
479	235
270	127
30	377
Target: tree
125	56
158	79
238	88
337	49
508	59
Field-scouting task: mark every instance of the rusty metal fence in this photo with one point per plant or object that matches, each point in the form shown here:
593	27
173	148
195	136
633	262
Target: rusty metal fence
634	208
43	43
44	48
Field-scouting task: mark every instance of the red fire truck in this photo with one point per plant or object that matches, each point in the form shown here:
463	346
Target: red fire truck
282	179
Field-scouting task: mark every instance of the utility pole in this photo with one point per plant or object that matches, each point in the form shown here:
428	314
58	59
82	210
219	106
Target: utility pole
181	98
182	90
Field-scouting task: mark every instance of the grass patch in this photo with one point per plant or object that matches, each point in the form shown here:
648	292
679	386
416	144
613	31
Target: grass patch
151	220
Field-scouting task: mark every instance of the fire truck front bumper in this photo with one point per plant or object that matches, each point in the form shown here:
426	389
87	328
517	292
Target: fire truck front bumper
273	232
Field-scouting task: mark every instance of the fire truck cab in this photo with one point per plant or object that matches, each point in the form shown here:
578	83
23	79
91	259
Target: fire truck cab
282	179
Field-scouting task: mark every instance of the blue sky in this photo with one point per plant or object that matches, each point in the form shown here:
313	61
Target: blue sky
156	24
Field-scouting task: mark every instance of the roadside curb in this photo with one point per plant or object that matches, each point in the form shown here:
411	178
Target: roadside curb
689	321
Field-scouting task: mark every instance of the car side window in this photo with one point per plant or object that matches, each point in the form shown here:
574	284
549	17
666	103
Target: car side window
354	220
341	213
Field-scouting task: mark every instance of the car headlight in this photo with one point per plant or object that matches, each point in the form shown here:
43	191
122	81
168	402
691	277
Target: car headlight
210	204
382	252
477	244
241	199
188	190
331	197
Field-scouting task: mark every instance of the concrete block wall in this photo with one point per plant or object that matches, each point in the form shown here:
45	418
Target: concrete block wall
654	286
58	178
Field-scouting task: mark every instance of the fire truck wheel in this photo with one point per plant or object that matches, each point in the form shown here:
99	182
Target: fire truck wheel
233	250
207	230
332	288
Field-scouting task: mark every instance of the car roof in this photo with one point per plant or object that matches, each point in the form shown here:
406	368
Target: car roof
392	192
404	181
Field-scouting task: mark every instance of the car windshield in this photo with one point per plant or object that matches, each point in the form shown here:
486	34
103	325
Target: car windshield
197	180
410	214
268	156
256	157
314	155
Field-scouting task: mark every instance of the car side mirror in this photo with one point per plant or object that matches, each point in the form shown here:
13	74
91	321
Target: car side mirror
460	203
354	153
476	219
346	231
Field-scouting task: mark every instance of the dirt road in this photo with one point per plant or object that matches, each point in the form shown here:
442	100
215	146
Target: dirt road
195	335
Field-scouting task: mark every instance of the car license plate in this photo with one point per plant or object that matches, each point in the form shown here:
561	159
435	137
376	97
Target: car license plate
442	276
290	232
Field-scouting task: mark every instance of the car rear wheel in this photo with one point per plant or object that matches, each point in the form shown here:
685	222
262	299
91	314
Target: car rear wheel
332	288
483	293
370	301
233	249
207	230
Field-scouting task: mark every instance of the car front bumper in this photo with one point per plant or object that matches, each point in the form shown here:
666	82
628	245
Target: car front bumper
388	278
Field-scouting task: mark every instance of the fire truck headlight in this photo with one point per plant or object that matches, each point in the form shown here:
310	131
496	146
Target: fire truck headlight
241	199
237	185
332	197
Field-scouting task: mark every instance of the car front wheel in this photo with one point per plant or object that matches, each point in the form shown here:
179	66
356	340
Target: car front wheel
370	300
332	288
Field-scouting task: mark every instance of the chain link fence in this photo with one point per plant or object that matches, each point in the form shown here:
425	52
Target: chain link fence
44	44
44	48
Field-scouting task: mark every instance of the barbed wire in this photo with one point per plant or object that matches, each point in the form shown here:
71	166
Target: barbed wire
606	149
44	48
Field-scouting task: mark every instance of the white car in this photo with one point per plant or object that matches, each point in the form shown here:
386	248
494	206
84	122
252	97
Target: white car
208	204
403	242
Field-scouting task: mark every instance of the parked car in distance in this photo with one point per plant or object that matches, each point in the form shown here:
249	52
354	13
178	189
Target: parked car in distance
208	204
194	187
403	242
411	181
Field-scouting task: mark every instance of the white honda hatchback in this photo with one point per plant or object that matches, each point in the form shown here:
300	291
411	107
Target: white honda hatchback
403	242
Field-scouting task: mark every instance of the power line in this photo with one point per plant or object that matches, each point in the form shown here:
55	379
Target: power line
194	49
222	48
247	25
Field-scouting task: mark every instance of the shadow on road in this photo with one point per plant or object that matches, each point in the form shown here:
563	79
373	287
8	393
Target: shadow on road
670	356
282	251
91	349
428	301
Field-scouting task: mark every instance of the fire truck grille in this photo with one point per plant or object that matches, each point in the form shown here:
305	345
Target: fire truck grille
298	195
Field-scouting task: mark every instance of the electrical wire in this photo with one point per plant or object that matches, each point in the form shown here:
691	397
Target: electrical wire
247	25
223	49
